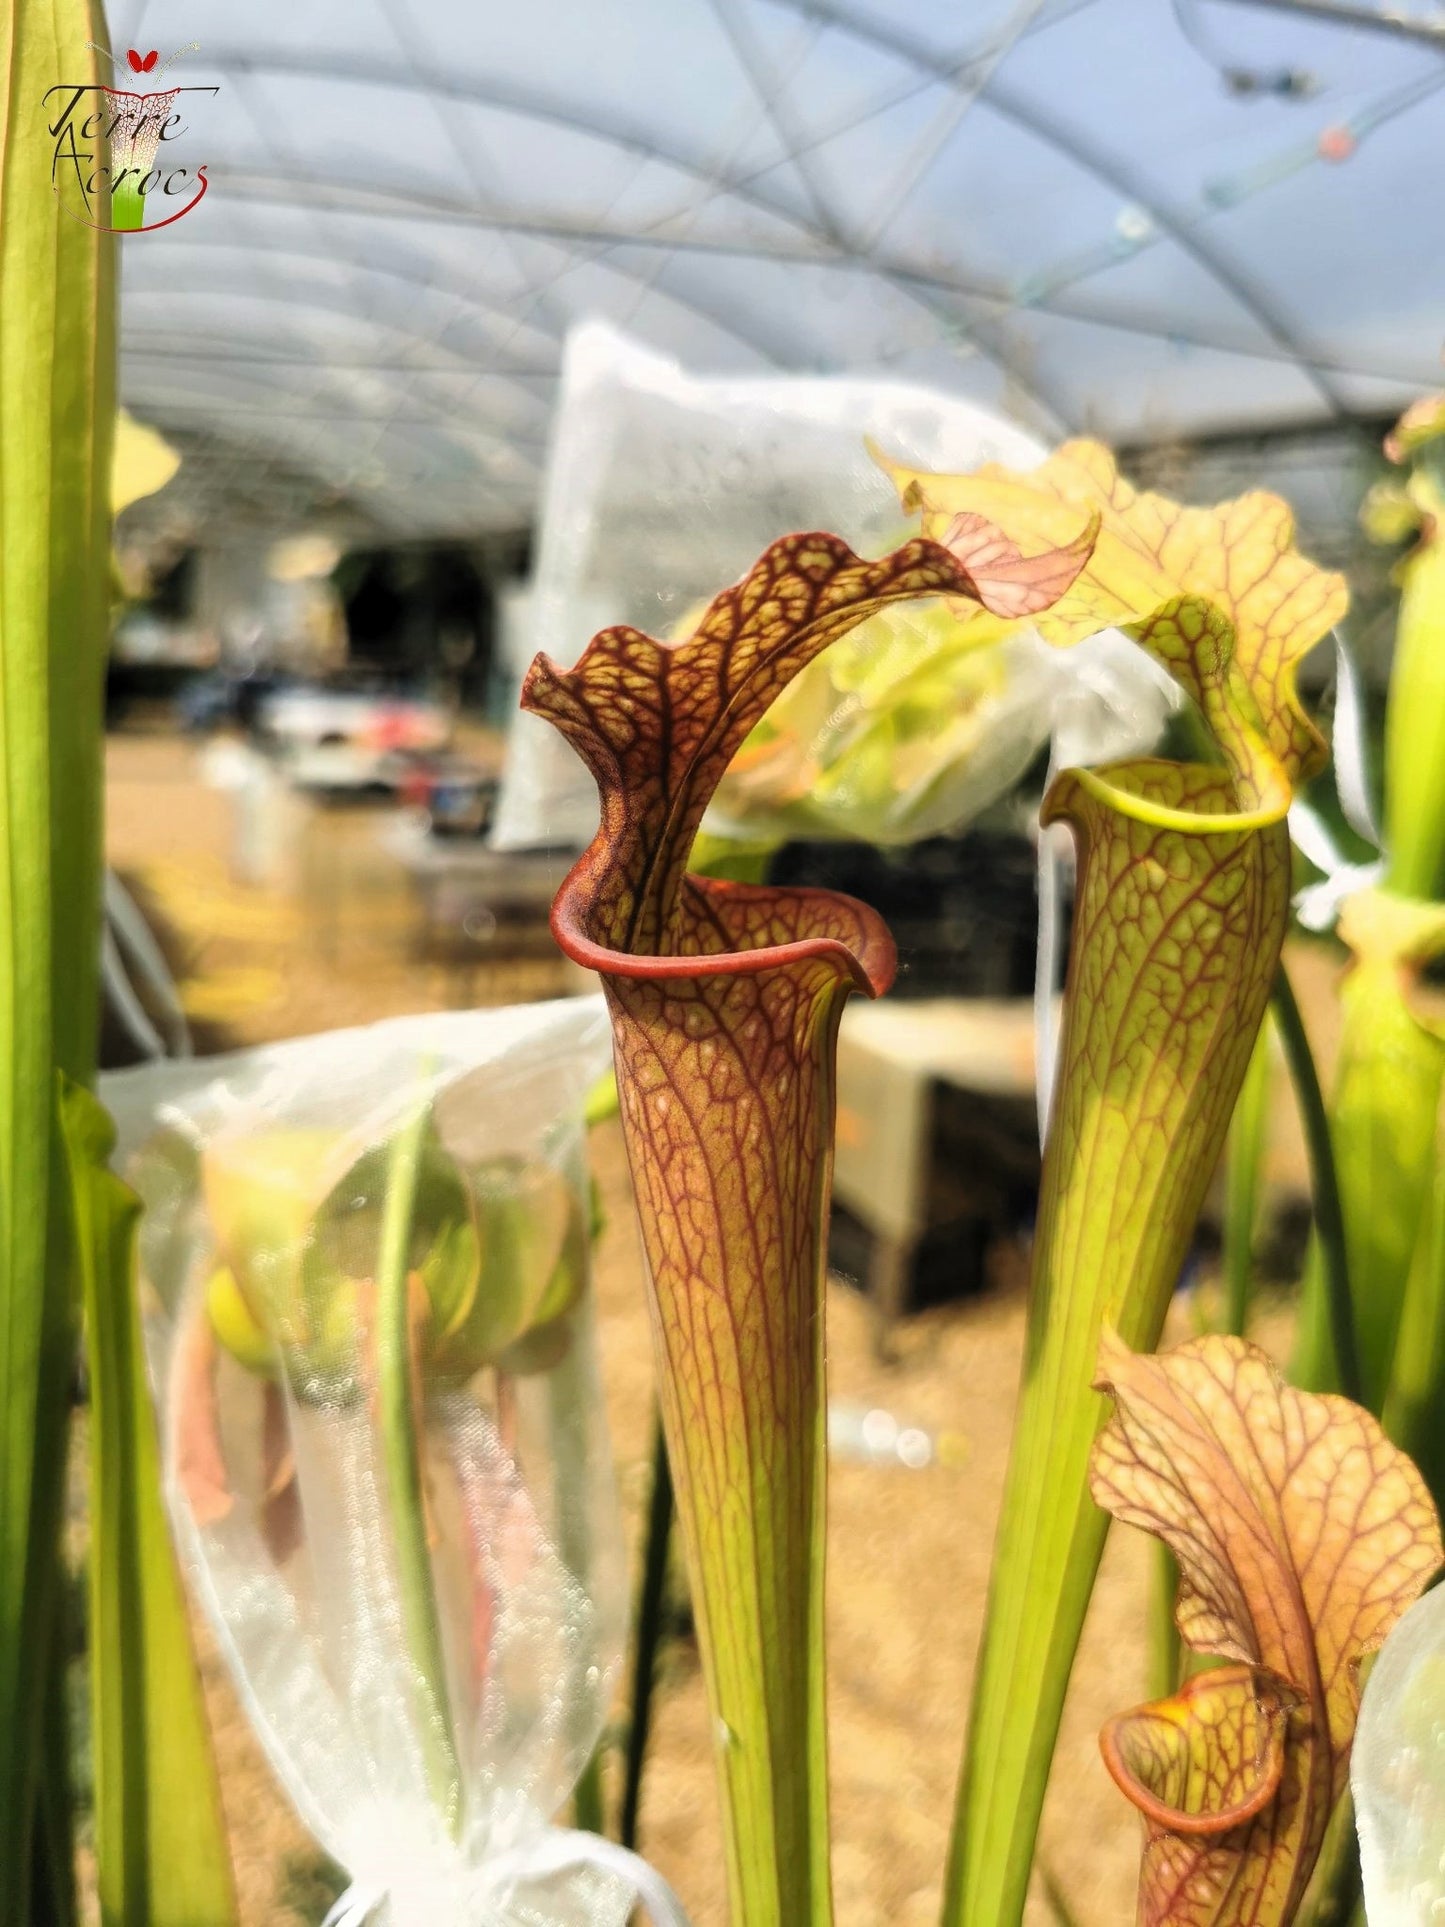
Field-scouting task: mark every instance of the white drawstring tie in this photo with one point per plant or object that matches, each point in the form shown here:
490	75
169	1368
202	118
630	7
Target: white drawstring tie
479	1896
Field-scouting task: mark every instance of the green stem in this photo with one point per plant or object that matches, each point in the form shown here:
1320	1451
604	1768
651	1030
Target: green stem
1165	1653
651	1592
587	1804
1336	1892
53	1899
1324	1182
401	1451
1414	1407
1245	1157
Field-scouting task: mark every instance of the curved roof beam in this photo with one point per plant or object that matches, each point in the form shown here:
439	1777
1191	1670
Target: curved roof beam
511	98
633	138
452	289
452	285
1338	13
1179	230
445	415
1065	308
307	452
1090	314
376	199
350	196
1093	160
771	94
189	344
329	408
315	305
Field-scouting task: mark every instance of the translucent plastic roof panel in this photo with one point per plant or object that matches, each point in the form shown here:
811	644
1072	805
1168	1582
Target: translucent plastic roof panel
1147	220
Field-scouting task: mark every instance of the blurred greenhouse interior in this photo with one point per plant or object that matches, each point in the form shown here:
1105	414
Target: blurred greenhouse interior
498	325
494	325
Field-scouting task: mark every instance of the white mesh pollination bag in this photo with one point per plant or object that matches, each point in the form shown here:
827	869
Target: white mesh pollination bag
363	1268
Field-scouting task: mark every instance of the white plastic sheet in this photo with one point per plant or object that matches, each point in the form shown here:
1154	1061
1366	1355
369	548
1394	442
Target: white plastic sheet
663	487
268	1182
1397	1772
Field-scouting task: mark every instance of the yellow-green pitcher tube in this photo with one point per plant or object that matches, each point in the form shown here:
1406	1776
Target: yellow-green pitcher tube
1177	937
1179	918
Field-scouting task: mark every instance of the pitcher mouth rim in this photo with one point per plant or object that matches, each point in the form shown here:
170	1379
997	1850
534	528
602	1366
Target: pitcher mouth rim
870	967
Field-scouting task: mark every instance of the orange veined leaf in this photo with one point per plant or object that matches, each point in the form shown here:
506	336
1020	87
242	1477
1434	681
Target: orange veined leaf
1208	1758
1302	1536
1010	583
1220	596
725	999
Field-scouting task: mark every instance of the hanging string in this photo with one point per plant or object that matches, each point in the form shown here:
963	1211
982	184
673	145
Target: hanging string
1318	904
1051	846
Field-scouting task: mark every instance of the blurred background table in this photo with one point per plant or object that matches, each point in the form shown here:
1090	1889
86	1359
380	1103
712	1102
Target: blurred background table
937	1144
471	899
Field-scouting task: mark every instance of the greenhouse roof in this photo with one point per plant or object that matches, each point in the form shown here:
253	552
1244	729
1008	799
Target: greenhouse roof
1153	221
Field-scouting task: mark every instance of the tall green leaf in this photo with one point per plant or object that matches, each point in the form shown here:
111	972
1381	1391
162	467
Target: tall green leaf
1391	1065
161	1845
1413	1410
1414	1407
1149	1071
57	351
1415	722
1383	1108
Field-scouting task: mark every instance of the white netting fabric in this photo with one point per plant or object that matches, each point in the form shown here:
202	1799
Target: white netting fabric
357	1246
